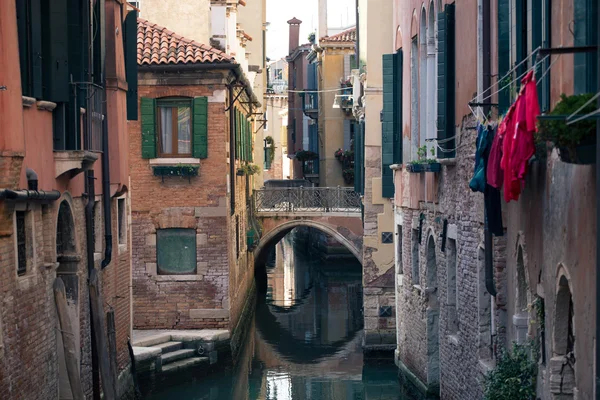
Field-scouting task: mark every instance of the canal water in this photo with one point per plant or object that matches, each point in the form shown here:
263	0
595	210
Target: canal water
304	342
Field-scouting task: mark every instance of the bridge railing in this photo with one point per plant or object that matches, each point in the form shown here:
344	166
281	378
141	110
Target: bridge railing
307	199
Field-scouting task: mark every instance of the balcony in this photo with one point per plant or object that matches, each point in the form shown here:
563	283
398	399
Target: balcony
344	100
310	104
77	157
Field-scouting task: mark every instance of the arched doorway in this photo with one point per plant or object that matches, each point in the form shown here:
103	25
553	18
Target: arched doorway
68	268
562	364
433	316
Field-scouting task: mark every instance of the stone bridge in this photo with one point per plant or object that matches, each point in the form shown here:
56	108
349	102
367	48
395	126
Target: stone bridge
335	211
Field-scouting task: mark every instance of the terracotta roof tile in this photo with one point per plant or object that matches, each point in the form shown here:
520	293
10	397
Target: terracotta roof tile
347	36
158	45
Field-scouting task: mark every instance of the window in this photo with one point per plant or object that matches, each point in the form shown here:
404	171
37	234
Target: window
237	236
399	250
446	85
175	128
415	257
414	97
21	243
122	222
176	251
585	34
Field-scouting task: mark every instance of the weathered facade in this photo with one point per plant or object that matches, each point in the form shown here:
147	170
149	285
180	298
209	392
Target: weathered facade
57	190
190	198
297	130
454	314
335	59
276	163
374	40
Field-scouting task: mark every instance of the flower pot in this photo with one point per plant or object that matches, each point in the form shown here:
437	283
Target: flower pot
432	167
581	154
240	172
415	168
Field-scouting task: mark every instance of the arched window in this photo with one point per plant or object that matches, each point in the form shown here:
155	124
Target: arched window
431	99
65	233
423	80
521	315
563	360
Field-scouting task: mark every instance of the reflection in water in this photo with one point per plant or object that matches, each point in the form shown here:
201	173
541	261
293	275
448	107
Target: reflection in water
304	342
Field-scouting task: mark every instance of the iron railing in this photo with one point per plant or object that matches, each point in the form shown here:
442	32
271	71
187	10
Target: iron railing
307	199
94	117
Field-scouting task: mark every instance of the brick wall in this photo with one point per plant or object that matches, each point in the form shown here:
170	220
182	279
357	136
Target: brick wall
215	295
459	359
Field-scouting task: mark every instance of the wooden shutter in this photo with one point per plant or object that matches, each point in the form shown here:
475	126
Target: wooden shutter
56	57
387	126
36	48
131	67
446	81
503	48
200	128
359	157
148	115
398	121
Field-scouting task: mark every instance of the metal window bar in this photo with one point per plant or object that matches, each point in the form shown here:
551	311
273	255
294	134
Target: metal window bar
329	199
21	244
94	115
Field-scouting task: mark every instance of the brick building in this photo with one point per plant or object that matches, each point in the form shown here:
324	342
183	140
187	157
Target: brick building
462	299
191	185
63	200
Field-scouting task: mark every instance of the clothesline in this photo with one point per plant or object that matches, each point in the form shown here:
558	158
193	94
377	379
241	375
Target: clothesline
498	81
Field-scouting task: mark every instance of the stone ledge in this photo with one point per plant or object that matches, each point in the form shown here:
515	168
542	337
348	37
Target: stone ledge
174	161
28	101
453	339
46	105
177	278
447	161
198	313
408	374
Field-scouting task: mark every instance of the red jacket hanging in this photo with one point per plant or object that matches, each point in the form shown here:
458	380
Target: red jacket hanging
518	145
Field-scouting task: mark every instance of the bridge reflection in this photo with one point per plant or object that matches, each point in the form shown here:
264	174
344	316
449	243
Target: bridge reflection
311	309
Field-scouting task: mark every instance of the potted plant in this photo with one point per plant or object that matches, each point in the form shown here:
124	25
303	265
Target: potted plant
182	170
339	154
576	143
348	175
417	166
270	147
432	164
311	37
248	170
306	155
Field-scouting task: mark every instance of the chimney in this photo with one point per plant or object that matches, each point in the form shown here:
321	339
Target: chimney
294	33
322	30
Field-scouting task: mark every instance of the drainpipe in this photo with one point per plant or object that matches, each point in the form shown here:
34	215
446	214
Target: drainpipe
89	217
597	225
105	165
29	195
232	172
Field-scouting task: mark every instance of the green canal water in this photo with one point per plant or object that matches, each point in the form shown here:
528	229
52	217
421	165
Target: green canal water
304	342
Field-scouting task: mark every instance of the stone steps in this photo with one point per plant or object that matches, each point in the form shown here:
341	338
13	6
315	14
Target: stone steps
185	363
173	356
167	347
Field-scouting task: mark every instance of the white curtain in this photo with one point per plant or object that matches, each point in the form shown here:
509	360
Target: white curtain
184	140
166	130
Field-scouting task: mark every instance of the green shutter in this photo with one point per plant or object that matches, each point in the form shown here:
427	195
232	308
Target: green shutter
503	48
56	56
387	126
250	152
584	64
200	128
36	47
131	67
148	114
446	81
398	107
359	157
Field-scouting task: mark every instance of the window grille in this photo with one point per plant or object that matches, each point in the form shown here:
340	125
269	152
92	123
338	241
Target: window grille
21	244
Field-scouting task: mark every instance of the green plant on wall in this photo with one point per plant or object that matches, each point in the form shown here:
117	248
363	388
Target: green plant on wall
514	376
568	137
270	148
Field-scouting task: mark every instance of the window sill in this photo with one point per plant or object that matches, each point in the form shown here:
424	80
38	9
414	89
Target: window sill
177	278
174	161
486	365
418	287
447	161
122	248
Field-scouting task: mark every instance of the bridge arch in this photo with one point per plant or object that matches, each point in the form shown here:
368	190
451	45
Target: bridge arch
276	229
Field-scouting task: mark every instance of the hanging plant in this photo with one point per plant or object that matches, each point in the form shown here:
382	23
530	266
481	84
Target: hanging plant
576	143
306	155
339	153
271	148
248	170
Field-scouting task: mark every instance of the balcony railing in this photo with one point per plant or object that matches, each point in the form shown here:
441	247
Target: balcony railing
94	117
310	104
307	199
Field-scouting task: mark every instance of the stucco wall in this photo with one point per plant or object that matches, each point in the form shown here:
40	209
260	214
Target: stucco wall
190	18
